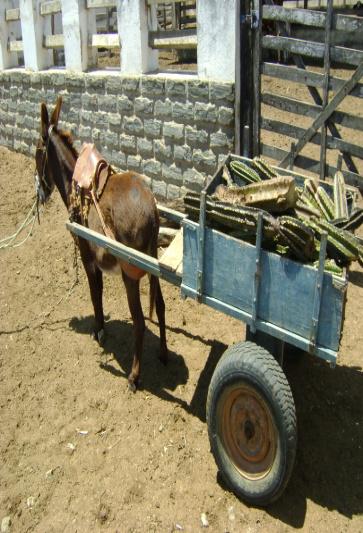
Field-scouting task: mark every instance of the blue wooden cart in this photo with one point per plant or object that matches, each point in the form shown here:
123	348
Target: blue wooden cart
250	409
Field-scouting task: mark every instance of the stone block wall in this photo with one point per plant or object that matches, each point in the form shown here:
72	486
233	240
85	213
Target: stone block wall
174	129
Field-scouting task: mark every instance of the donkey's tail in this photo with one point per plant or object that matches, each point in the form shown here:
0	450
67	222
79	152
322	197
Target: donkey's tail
154	281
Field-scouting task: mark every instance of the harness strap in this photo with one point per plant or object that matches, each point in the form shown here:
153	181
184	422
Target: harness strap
106	229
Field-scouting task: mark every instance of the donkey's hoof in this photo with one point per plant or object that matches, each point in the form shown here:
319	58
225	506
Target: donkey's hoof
99	336
132	386
163	357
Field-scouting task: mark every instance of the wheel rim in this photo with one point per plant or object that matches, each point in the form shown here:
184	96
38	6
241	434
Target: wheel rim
247	430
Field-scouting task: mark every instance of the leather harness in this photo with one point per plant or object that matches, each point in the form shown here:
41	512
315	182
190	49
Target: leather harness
89	179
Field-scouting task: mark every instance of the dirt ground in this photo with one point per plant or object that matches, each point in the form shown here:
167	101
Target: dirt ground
79	452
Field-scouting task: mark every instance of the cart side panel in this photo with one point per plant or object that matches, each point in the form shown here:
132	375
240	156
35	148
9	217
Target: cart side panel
287	288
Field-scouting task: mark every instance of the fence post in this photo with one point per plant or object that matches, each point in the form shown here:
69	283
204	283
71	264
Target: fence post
7	59
33	28
133	20
78	23
216	22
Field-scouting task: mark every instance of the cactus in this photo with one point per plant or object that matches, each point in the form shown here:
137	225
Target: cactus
246	173
275	195
340	197
265	171
325	203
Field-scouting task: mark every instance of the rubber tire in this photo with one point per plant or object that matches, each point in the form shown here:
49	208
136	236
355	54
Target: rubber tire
248	363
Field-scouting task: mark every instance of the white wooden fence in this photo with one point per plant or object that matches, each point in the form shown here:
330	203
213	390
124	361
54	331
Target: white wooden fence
138	35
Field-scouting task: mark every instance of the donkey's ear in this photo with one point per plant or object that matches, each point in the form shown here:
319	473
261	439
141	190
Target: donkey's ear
44	120
56	112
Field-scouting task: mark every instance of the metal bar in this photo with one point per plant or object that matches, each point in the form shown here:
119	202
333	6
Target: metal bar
238	142
201	242
328	24
171	214
257	276
125	253
256	89
327	112
318	293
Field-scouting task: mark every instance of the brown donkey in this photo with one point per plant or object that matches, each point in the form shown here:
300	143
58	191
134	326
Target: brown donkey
128	209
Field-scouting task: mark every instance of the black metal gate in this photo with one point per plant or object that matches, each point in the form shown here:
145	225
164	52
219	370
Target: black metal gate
302	103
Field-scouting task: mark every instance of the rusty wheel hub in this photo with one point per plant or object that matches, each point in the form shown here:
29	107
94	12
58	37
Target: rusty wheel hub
248	431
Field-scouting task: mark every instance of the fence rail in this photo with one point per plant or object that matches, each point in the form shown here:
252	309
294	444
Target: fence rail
323	110
140	34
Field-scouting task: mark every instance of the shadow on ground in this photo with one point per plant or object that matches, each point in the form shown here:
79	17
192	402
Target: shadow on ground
329	406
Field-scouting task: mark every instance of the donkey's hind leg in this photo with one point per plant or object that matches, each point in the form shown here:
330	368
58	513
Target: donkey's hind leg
133	298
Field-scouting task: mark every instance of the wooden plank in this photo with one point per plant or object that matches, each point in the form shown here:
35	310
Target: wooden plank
50	7
16	46
54	41
312	165
155	2
12	14
305	77
173	255
101	3
312	49
316	19
296	132
180	39
228	277
105	40
318	4
329	109
125	253
310	110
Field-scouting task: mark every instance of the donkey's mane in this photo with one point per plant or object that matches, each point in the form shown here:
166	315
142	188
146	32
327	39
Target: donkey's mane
66	137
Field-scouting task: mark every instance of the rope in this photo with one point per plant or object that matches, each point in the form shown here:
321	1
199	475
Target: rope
8	242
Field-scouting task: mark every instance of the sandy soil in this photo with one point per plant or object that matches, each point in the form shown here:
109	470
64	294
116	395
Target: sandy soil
79	452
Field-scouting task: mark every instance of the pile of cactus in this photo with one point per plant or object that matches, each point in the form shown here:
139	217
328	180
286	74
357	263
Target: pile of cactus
294	218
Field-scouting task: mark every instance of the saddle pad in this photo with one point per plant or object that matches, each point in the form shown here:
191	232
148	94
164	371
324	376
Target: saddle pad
86	164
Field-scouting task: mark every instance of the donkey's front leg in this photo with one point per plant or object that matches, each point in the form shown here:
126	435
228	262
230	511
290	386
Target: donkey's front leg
133	298
95	281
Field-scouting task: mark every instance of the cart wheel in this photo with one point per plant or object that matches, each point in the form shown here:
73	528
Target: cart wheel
252	423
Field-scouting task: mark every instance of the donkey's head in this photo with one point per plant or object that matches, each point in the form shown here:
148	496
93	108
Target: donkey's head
55	156
44	176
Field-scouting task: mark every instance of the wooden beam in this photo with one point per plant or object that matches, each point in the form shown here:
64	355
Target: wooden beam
50	7
12	14
125	253
180	39
310	164
327	44
105	40
291	105
101	3
54	41
312	49
16	46
306	77
296	132
312	18
327	112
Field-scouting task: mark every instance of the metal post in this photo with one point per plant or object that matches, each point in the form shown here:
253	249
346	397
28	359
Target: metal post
328	24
